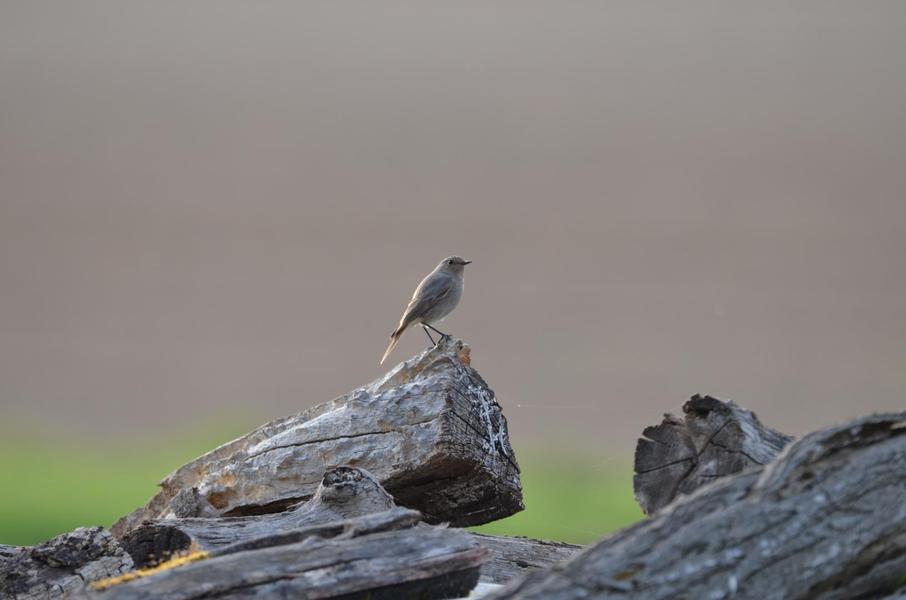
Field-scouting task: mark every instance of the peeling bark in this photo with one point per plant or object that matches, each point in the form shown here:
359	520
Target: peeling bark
61	565
430	430
826	519
713	440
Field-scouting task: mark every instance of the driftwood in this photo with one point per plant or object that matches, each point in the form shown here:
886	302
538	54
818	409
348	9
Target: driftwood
376	556
826	519
516	556
430	430
61	565
714	439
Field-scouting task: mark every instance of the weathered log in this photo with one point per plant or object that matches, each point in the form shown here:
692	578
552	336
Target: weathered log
714	439
61	565
344	492
430	430
380	555
516	556
826	519
8	551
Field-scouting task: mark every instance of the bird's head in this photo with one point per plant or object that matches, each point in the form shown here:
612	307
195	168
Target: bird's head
453	264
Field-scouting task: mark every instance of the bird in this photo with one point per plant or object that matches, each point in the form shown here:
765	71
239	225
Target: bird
434	298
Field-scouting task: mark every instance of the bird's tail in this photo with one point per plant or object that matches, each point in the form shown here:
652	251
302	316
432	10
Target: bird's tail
394	340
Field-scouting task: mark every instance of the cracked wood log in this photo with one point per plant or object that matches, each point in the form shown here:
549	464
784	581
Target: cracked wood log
826	519
714	439
430	430
381	555
344	492
60	565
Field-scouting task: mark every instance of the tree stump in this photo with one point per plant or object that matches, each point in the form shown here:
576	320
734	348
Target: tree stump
713	440
826	519
430	430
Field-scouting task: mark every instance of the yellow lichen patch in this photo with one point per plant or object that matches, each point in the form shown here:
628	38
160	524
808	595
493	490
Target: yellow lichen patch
177	561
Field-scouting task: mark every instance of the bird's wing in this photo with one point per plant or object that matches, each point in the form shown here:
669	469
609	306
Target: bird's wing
429	292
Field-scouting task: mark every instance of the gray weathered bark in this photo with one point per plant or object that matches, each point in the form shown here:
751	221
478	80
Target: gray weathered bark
430	430
714	439
61	565
380	555
516	556
826	519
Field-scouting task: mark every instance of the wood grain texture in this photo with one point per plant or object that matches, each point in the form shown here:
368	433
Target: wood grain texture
826	519
430	430
380	555
712	440
344	492
516	556
61	565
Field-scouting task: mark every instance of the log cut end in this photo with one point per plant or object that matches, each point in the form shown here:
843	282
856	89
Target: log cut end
713	439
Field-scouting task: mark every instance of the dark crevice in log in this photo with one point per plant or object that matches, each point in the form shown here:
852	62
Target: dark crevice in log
336	438
269	508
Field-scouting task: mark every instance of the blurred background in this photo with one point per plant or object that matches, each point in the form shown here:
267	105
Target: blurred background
213	213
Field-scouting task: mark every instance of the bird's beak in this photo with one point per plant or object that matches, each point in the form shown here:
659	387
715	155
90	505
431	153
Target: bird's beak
466	262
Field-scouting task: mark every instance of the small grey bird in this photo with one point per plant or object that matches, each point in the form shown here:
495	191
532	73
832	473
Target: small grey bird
434	298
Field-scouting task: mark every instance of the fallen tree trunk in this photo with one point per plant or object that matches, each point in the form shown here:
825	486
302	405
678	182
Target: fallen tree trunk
826	519
714	439
380	555
430	430
61	565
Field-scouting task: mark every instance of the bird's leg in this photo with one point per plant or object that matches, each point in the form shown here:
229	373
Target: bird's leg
428	334
437	331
